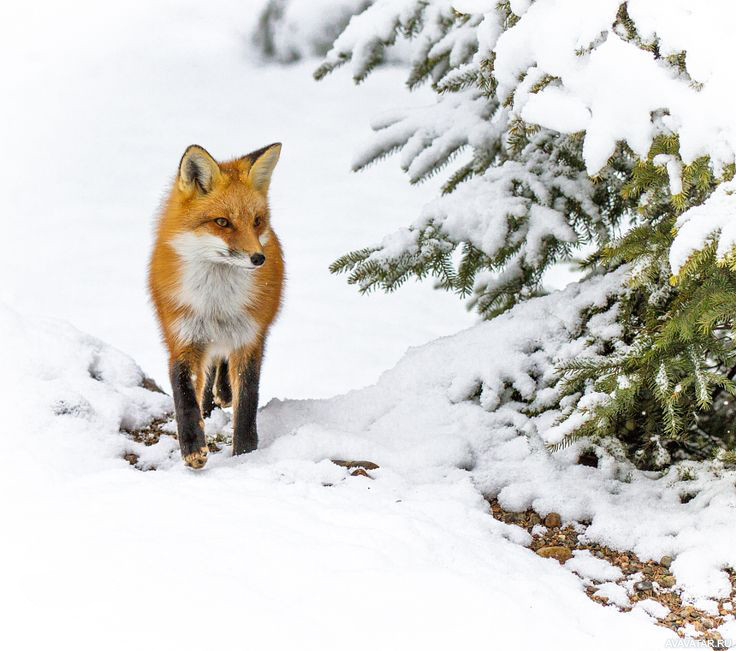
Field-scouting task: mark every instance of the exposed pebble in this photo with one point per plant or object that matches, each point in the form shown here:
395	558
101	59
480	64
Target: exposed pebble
360	472
558	541
667	581
368	465
557	552
552	520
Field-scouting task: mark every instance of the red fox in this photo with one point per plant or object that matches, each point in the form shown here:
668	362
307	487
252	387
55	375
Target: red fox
216	275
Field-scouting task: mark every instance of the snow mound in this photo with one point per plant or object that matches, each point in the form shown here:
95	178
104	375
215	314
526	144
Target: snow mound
409	556
458	403
65	390
590	567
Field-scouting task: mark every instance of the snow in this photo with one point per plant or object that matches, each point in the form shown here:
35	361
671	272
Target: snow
615	593
283	548
588	566
285	529
558	110
728	631
674	171
298	29
278	547
653	608
364	37
587	76
610	88
70	390
714	219
614	91
518	210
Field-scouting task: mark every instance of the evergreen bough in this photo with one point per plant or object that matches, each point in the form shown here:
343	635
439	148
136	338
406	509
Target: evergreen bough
520	197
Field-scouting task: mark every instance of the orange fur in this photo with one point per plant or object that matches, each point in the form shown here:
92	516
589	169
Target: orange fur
236	191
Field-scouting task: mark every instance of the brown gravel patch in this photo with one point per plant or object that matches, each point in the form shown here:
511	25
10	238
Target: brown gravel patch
152	433
653	579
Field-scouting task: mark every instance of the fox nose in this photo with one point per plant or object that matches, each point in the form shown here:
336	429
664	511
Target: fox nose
258	259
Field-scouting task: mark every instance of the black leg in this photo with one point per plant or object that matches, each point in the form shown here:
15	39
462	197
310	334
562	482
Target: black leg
223	392
245	382
188	417
208	403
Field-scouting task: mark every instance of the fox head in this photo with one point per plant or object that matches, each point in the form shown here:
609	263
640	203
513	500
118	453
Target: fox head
222	211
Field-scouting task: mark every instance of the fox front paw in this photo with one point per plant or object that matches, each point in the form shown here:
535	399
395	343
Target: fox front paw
196	459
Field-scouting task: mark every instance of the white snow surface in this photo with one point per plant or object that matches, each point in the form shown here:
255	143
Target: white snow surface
281	546
412	555
588	566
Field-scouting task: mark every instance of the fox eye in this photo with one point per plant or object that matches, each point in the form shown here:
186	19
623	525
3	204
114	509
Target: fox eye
221	221
257	222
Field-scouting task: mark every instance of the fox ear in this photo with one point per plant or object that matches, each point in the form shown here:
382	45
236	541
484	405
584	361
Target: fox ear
262	163
197	170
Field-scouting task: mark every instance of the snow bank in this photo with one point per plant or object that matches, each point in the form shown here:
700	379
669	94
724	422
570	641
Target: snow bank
62	390
280	546
461	398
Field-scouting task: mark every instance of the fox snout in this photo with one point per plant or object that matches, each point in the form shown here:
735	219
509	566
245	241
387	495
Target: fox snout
256	259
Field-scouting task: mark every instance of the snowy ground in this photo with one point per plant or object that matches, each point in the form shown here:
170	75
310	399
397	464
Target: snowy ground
278	549
281	549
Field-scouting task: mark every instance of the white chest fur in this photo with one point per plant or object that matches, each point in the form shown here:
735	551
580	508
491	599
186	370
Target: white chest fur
217	295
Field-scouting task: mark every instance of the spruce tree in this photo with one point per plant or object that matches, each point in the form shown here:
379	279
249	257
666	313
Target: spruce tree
547	167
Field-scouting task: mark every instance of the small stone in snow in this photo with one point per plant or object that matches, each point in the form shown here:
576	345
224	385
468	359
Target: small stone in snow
557	552
368	465
667	581
643	586
552	520
665	561
360	472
